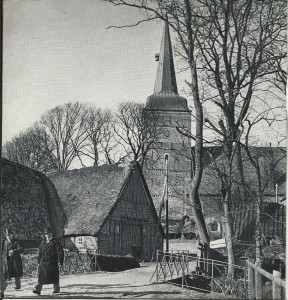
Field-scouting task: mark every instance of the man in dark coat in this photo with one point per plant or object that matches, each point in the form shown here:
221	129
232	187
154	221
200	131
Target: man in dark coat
3	266
50	254
14	261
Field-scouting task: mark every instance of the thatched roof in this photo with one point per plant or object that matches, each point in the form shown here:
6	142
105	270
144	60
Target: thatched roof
30	202
89	194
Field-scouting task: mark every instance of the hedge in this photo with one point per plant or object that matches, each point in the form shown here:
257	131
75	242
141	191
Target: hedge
115	263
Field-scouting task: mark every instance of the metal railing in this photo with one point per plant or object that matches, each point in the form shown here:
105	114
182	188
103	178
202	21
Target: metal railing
188	271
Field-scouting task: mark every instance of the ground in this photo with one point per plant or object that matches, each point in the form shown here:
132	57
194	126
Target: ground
135	283
107	285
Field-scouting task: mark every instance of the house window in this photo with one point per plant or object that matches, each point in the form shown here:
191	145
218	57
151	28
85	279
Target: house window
117	229
214	226
144	231
80	241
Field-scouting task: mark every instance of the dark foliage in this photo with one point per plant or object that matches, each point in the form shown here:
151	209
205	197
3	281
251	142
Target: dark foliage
115	263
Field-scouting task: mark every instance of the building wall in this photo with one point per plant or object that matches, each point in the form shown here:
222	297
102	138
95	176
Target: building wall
179	164
131	226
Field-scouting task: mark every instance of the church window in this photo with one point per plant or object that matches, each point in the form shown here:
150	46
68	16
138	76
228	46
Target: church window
214	226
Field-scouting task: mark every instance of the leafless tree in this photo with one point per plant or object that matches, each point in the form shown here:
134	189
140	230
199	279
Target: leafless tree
230	45
264	176
64	132
136	130
98	126
30	149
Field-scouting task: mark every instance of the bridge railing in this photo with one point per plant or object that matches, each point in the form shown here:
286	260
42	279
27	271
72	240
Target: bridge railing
187	270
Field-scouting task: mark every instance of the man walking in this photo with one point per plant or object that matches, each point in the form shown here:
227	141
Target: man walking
50	254
14	261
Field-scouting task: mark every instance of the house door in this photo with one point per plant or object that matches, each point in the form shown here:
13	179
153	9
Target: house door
136	241
131	240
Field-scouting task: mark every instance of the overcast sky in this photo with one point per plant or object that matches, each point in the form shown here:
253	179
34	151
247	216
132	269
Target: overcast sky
56	51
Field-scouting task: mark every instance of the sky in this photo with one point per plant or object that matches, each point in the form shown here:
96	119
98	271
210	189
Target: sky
57	51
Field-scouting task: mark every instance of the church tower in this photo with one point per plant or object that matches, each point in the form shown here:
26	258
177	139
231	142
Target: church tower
171	111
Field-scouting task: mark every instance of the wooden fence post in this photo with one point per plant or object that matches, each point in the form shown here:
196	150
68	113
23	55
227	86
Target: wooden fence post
258	282
251	281
276	287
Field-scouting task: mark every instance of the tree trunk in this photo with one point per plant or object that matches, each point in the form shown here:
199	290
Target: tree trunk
229	238
258	234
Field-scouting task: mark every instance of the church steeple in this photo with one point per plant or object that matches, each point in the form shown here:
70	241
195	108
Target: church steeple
165	96
165	77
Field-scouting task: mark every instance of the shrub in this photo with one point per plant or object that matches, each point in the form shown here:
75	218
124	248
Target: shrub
114	263
29	262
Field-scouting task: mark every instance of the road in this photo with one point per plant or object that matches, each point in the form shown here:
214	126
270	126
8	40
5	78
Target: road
109	285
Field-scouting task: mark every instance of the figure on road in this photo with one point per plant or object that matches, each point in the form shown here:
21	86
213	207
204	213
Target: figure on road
13	252
3	266
50	255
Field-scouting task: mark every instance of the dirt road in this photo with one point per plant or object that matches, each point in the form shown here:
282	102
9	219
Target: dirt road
107	285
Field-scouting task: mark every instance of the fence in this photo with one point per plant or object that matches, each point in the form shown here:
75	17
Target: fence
255	283
79	262
187	271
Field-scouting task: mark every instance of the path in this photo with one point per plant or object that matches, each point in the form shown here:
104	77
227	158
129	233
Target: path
109	285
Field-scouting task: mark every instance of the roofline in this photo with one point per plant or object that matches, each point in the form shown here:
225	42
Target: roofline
146	188
125	181
172	110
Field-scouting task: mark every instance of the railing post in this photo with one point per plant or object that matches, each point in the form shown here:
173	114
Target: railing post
245	286
182	267
251	281
258	282
157	273
212	275
276	287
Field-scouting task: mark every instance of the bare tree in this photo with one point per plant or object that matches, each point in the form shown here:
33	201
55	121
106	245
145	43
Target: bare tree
99	136
264	177
136	130
30	149
64	132
231	45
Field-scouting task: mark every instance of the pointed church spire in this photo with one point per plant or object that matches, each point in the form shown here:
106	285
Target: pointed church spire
165	96
165	77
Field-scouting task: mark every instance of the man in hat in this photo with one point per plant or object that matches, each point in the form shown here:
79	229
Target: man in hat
50	254
13	252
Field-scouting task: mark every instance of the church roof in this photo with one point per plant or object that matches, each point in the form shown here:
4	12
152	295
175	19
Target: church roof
165	96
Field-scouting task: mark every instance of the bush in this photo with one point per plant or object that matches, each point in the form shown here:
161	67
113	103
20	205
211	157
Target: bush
228	286
29	262
114	263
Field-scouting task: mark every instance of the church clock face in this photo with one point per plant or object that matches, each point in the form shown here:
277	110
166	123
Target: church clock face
167	133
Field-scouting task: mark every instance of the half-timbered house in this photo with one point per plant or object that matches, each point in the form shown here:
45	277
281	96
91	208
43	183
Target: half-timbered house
112	204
